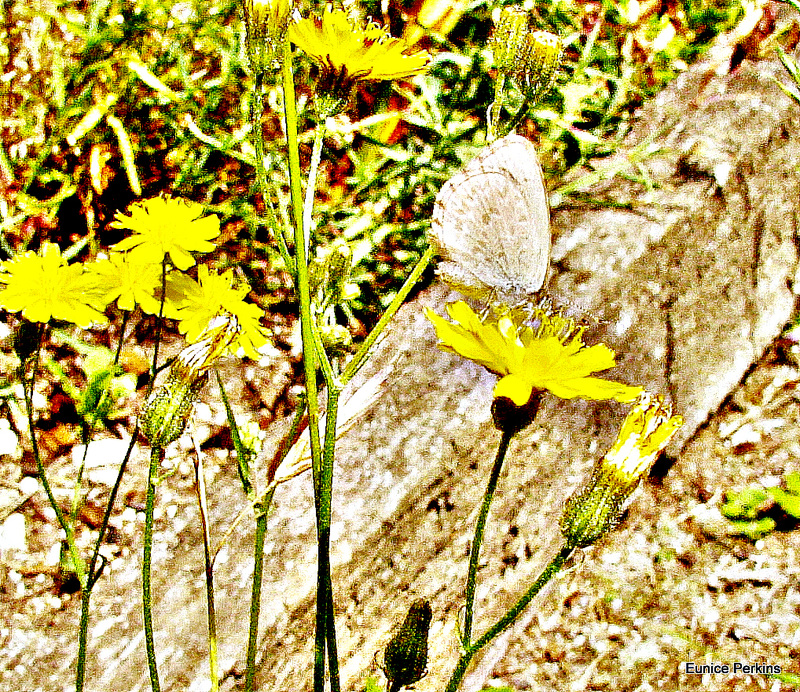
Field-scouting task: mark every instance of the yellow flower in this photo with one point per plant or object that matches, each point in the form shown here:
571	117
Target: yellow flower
44	286
348	52
198	302
599	506
166	226
128	282
550	356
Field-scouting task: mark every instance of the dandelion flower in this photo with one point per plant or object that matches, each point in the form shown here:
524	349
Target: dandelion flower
44	286
167	226
348	52
551	356
197	303
128	282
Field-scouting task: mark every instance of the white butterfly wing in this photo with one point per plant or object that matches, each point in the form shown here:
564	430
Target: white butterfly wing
491	223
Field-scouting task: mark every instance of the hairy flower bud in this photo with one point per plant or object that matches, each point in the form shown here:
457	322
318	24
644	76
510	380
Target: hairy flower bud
166	412
266	22
508	40
406	655
540	58
338	266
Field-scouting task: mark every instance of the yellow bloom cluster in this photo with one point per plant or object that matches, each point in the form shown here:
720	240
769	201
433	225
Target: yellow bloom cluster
43	286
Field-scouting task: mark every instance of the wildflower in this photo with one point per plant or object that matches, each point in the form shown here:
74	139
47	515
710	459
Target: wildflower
198	301
549	356
128	282
265	22
598	508
166	226
348	52
166	412
44	286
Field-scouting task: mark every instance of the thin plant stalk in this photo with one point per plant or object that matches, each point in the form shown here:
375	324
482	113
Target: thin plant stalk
325	621
316	155
256	113
363	352
156	456
325	613
69	530
508	619
94	572
306	323
200	487
255	598
480	527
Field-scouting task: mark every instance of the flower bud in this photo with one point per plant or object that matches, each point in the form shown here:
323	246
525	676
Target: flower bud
599	506
406	655
166	412
266	22
338	266
510	418
508	40
335	338
540	58
26	340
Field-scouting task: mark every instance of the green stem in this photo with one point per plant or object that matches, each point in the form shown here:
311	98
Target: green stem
306	324
80	666
480	527
308	205
159	325
94	573
325	613
518	116
256	113
508	619
200	486
255	599
242	453
363	352
68	528
156	455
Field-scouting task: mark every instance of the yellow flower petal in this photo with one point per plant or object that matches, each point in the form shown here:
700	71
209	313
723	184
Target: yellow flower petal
44	287
552	357
355	52
166	226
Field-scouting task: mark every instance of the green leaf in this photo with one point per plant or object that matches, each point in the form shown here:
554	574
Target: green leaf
789	502
745	504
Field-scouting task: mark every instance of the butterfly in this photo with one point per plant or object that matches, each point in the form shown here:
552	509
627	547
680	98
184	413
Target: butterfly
491	224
